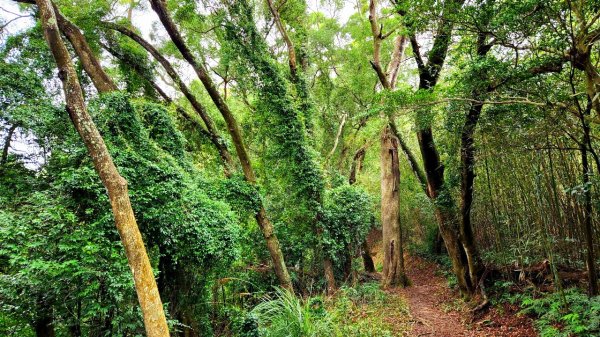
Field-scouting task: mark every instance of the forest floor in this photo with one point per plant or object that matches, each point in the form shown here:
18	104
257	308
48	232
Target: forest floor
437	311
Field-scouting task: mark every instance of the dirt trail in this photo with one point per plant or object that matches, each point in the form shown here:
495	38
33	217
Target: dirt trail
437	312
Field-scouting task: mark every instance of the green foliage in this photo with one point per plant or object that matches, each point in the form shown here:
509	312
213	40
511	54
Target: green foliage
365	310
575	314
347	219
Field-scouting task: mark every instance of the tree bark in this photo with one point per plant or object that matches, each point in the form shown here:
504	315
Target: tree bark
265	225
393	258
329	275
116	186
89	61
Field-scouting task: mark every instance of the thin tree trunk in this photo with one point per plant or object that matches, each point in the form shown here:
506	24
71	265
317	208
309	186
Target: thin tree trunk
116	186
393	68
6	145
265	225
467	181
588	229
467	157
286	38
393	258
356	166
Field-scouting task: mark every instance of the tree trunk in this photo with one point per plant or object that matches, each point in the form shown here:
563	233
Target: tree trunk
329	275
368	263
116	186
467	158
90	63
588	229
43	322
43	327
234	130
6	145
393	253
356	166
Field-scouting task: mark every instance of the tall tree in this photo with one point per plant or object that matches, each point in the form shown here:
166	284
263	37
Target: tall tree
393	250
159	7
154	317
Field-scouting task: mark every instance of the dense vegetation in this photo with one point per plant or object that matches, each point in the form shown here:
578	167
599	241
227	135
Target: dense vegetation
243	159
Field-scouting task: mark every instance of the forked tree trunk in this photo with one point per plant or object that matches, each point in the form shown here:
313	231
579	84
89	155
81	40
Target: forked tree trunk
90	62
265	225
393	252
116	186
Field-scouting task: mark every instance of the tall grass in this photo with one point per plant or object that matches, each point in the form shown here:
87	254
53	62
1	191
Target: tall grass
282	314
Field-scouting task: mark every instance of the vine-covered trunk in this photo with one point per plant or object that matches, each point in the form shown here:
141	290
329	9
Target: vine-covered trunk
211	129
116	186
393	252
265	225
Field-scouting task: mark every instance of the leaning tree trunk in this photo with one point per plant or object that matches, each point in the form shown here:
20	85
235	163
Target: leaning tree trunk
393	253
214	136
116	186
265	225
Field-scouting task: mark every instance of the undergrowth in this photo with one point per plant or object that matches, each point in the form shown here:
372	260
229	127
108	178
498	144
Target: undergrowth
558	314
361	311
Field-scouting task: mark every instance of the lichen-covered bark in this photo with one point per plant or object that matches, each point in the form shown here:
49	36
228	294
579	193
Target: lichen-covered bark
116	186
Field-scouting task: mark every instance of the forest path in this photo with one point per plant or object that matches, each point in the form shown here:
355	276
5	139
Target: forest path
437	311
429	300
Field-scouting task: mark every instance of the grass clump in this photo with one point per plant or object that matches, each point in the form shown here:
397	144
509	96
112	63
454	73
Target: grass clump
362	311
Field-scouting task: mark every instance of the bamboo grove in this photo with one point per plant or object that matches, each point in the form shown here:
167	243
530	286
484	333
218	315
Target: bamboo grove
165	164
